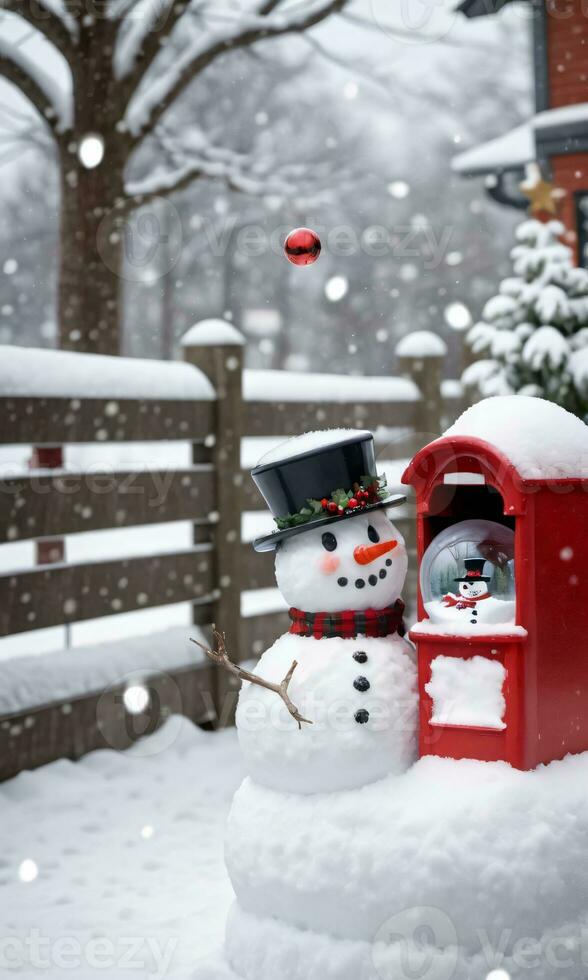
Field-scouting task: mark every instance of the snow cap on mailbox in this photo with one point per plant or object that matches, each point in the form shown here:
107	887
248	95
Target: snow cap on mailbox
513	441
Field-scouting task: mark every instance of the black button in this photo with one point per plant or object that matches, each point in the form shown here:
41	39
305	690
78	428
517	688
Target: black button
474	622
342	581
388	562
361	656
362	716
361	684
383	573
373	580
359	583
474	612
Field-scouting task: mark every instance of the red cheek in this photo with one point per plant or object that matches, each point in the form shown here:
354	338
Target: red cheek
328	564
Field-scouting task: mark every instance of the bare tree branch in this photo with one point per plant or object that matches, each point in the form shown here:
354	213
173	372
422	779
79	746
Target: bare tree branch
37	96
149	48
210	161
171	182
222	44
43	20
219	656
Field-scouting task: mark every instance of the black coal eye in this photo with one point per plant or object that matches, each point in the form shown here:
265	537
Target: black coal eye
373	534
329	541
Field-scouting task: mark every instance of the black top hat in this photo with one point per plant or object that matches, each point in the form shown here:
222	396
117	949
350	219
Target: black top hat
320	486
473	571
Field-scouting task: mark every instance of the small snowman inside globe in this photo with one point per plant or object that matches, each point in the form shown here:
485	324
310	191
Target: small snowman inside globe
473	588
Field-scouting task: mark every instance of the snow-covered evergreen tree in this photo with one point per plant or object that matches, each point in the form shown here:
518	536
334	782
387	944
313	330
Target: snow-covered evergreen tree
533	336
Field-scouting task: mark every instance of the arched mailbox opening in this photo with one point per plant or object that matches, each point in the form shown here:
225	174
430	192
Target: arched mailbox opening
449	503
467	572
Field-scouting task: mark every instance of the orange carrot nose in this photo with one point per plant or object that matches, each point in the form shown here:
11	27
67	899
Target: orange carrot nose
364	554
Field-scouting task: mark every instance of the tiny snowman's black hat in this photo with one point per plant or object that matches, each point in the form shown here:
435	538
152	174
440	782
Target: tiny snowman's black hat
311	485
474	568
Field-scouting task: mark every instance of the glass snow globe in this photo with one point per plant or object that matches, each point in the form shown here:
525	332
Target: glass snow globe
467	576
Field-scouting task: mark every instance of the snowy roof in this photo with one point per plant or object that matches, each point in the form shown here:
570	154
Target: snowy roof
563	116
541	439
293	386
514	149
510	151
212	333
308	441
421	343
33	372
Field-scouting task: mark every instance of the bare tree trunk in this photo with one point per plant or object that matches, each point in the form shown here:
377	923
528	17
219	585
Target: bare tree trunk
91	247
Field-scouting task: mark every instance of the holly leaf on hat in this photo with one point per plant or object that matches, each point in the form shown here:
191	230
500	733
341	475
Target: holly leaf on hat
341	498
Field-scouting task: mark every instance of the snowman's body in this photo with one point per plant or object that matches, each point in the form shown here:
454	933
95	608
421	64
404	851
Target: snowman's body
359	692
336	751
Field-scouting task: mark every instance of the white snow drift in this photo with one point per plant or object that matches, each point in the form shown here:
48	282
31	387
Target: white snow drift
492	861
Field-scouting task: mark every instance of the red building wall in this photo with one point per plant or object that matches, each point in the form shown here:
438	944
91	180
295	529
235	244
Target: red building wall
567	51
566	26
570	173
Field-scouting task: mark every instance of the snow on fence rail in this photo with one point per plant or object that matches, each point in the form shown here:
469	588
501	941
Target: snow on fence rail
55	398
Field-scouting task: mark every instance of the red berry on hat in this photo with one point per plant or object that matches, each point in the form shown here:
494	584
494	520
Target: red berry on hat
332	507
353	503
324	503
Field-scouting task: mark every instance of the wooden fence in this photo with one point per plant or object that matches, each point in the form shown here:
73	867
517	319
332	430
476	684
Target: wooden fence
212	493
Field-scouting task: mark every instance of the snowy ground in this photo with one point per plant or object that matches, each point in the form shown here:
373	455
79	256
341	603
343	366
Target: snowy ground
125	853
113	866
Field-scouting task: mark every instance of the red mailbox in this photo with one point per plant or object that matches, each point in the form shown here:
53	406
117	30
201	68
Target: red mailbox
502	636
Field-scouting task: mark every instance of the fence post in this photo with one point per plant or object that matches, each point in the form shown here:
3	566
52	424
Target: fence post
216	347
420	357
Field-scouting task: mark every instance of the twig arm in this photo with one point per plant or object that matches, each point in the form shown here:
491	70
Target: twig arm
220	656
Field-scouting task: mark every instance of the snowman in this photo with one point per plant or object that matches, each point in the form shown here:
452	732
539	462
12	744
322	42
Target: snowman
473	589
345	675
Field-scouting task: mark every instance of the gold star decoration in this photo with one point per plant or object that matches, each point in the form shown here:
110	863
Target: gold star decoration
541	194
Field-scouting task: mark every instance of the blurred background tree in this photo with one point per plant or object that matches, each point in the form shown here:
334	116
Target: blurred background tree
350	127
533	336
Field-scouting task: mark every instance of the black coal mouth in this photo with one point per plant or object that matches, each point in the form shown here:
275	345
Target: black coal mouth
372	579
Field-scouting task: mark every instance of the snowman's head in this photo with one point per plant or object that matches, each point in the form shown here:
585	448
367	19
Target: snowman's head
356	563
473	589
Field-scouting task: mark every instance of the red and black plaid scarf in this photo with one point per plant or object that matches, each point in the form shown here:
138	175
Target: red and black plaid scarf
350	623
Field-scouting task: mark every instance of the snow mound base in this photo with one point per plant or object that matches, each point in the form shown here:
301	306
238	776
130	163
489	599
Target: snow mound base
487	860
267	949
540	438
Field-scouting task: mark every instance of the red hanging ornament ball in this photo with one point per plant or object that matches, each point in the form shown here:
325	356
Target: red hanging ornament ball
302	246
